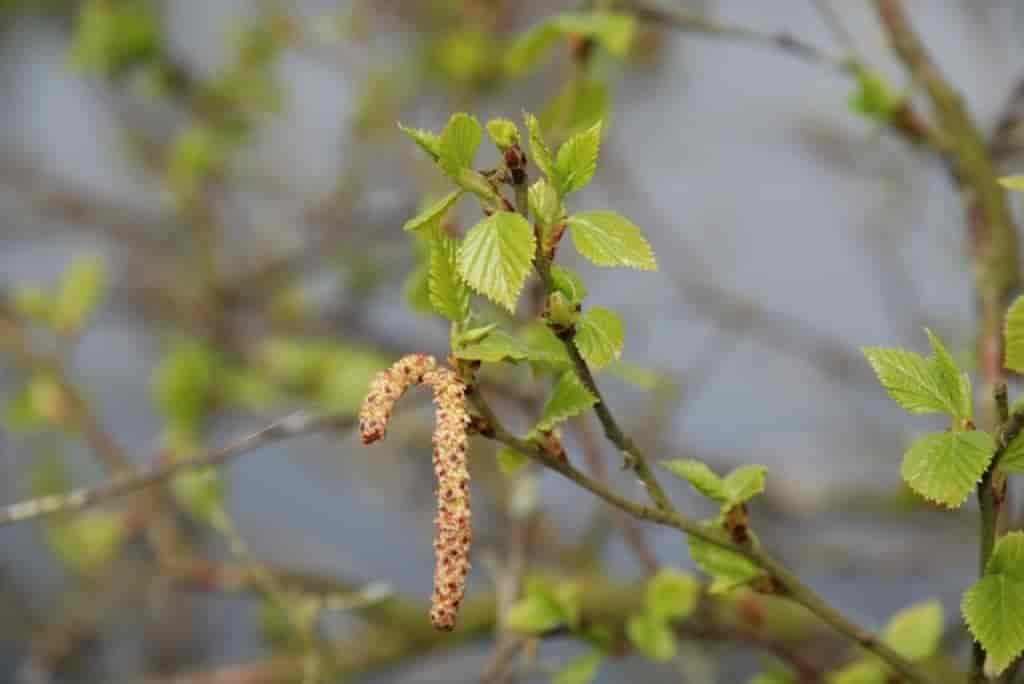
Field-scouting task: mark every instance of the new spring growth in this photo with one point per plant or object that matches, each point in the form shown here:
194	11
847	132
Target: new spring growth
453	530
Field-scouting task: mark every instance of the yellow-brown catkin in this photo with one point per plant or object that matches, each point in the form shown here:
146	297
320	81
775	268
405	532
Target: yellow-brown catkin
386	389
453	529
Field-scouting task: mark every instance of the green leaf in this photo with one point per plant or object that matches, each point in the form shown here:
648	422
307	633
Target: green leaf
460	140
944	467
700	476
652	637
915	632
510	460
432	216
577	160
185	384
1012	460
613	30
503	132
429	142
545	205
530	48
579	104
32	303
569	398
568	283
671	595
861	672
87	542
1012	182
644	378
539	150
914	382
994	606
955	384
78	295
600	337
496	255
1015	336
448	294
534	614
581	670
771	678
543	345
873	98
200	491
727	569
496	346
744	483
608	239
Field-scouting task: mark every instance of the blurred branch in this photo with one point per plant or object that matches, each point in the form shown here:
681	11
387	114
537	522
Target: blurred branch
295	425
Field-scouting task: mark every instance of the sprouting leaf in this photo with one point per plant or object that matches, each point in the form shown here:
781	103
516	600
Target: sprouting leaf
608	239
545	205
994	606
534	614
460	140
429	142
80	291
448	294
652	637
568	283
1014	326
503	132
569	398
432	216
671	595
577	160
496	255
700	476
949	376
578	105
915	632
944	467
543	345
494	347
727	569
873	98
744	483
917	384
600	337
530	48
580	670
510	460
540	153
860	672
613	30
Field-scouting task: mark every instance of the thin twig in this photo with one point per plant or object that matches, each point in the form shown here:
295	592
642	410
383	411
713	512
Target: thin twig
292	426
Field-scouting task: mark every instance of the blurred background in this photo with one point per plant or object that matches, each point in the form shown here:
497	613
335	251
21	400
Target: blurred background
200	231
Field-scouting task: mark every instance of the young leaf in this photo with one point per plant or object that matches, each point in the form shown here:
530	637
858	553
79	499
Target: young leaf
608	239
1015	336
915	632
510	460
612	30
80	291
744	483
944	467
460	140
543	345
496	346
994	606
432	216
644	378
1012	460
698	474
600	336
535	613
671	595
429	142
530	48
727	569
577	160
581	670
652	637
772	678
912	381
539	150
955	383
544	203
861	672
496	255
568	283
503	132
569	398
448	293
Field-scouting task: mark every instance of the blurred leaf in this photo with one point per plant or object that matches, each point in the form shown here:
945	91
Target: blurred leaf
33	303
88	542
700	476
80	292
1012	182
496	255
580	104
580	670
861	672
873	98
608	239
644	378
727	569
652	637
347	373
1015	336
915	632
530	48
600	337
612	30
771	678
535	613
113	37
944	467
185	384
200	491
510	460
671	595
196	153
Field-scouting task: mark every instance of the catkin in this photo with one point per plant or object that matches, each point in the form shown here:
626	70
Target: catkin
453	529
